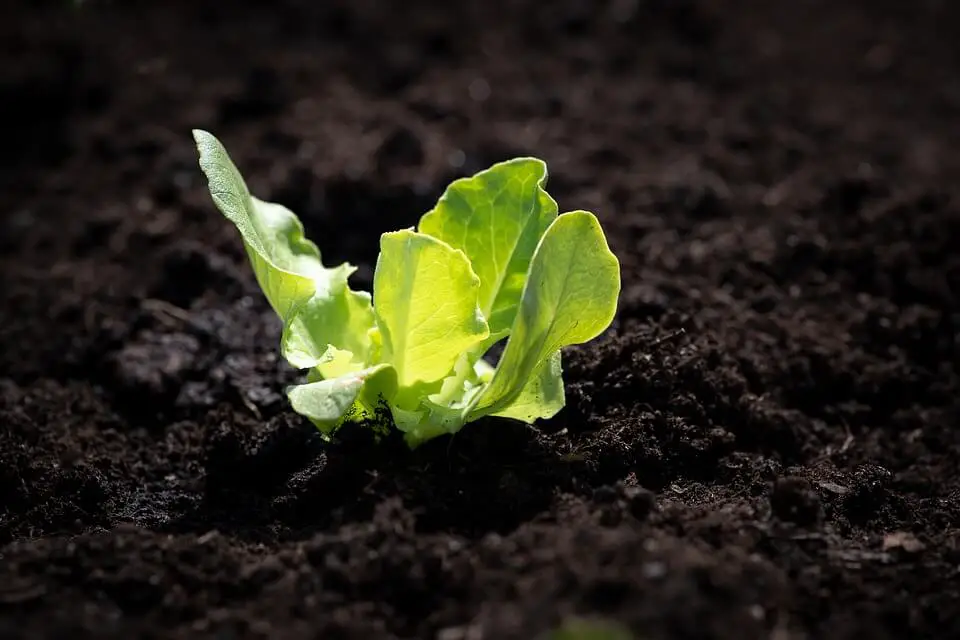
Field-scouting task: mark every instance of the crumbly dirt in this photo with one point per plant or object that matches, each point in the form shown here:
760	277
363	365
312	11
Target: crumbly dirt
764	445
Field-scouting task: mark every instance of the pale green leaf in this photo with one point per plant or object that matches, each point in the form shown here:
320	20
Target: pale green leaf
570	298
354	396
543	395
317	306
427	423
425	300
286	264
496	218
446	410
342	318
336	363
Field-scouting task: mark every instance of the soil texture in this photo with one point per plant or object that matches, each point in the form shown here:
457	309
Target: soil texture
764	445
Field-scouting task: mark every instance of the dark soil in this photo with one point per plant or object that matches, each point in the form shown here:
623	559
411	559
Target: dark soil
781	181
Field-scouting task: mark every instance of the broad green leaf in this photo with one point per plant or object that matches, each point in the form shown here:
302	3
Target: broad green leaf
328	403
570	298
496	218
425	300
542	396
317	306
340	317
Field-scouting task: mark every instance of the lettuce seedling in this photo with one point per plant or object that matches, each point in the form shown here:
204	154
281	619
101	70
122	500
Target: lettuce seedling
492	260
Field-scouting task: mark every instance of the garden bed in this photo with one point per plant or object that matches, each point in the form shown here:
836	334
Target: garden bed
763	445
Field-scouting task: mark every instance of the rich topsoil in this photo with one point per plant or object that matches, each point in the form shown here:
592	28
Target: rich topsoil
765	444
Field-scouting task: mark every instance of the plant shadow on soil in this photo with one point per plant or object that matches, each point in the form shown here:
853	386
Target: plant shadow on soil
289	483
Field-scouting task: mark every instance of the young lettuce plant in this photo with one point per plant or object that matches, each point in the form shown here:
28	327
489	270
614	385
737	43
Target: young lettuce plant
492	260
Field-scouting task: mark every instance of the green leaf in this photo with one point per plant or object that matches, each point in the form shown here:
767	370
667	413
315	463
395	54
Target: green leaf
543	395
446	410
425	300
355	396
339	317
286	264
318	308
570	298
496	218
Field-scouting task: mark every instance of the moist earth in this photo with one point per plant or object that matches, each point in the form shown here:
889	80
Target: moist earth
763	445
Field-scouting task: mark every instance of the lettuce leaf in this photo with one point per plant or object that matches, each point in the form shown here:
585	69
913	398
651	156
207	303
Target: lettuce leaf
319	310
496	218
570	297
426	306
